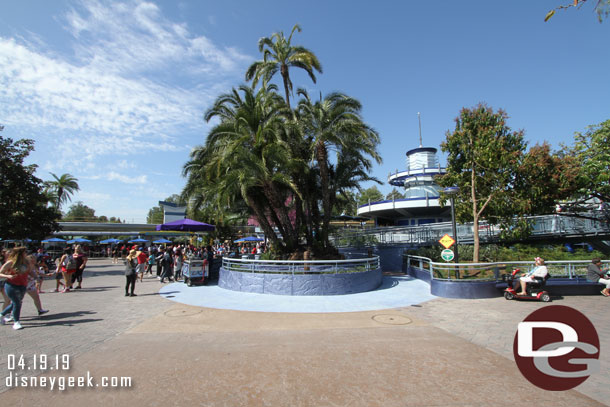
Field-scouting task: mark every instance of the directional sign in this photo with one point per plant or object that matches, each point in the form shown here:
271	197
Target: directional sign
447	241
447	254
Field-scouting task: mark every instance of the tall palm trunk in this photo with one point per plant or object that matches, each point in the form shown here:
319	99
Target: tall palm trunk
280	208
259	212
286	79
322	158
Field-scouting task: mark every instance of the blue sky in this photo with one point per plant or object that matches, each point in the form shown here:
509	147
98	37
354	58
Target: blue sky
113	92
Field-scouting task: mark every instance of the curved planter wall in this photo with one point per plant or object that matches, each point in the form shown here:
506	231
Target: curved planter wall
300	284
457	288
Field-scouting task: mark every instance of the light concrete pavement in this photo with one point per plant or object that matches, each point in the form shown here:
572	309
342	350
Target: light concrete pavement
438	353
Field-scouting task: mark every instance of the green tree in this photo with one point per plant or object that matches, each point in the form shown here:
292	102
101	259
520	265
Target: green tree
244	158
79	212
602	8
371	195
62	188
335	123
592	153
484	157
280	55
24	212
394	195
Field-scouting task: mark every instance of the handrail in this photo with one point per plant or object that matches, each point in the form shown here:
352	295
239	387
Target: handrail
542	226
301	266
491	271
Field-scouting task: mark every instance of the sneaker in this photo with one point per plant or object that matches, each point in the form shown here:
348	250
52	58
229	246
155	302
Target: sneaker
43	311
126	294
8	318
65	290
17	325
56	290
133	295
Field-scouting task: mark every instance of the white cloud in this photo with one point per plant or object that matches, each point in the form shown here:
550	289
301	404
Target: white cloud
117	93
127	179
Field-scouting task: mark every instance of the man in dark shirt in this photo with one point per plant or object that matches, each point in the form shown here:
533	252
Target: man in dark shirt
595	274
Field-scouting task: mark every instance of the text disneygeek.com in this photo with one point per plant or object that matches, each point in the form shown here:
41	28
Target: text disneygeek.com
19	365
62	383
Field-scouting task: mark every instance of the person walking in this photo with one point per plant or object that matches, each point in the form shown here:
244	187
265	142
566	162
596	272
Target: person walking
35	274
178	258
67	266
81	261
16	271
150	261
131	262
167	263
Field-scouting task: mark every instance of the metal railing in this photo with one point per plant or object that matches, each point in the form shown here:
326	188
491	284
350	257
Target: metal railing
542	226
572	269
301	266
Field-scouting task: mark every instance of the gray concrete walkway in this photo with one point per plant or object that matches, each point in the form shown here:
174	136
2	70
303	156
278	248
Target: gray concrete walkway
440	352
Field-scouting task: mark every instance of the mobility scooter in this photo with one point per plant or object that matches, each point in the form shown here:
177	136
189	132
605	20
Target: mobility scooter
535	290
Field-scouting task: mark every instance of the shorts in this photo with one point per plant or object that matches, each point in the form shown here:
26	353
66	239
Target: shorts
527	279
63	269
140	268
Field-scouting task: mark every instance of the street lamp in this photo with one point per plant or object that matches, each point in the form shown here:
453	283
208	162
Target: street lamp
452	192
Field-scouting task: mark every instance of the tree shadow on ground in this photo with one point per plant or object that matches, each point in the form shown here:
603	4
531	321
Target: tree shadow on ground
60	318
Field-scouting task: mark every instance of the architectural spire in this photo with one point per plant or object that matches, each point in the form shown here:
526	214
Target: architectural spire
421	144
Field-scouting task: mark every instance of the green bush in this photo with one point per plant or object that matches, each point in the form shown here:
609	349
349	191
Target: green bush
518	252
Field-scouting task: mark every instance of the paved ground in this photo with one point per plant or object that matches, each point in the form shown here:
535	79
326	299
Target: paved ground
395	291
442	352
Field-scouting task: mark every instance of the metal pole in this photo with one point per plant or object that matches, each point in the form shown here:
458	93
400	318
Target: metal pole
454	229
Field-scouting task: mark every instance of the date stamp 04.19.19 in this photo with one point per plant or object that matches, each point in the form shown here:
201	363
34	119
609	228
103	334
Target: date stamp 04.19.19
51	372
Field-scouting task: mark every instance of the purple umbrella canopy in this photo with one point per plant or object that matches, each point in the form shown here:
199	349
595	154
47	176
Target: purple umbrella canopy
186	225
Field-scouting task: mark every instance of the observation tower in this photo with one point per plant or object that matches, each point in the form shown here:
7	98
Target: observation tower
421	204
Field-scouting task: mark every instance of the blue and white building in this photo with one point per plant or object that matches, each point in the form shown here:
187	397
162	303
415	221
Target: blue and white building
421	204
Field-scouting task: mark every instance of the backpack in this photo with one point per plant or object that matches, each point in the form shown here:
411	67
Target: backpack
70	262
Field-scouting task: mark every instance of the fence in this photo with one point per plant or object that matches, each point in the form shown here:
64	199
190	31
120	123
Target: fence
301	266
494	271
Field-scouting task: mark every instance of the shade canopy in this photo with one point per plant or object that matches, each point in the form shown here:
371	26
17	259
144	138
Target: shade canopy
108	241
186	225
138	240
53	240
250	239
79	240
162	241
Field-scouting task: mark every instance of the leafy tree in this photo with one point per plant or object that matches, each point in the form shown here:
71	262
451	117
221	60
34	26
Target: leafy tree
346	202
335	123
242	159
484	157
155	214
394	195
592	153
371	195
62	188
24	212
602	8
280	55
287	168
79	212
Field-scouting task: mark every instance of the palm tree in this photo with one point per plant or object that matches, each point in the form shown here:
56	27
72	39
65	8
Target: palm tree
335	123
280	55
243	158
62	188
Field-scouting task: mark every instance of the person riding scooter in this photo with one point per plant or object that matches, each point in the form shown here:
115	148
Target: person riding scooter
538	272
